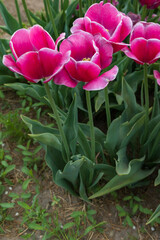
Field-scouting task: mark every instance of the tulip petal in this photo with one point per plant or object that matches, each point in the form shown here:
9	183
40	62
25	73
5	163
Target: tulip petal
40	38
129	54
9	62
105	51
145	50
80	44
102	81
63	78
137	31
107	15
157	76
52	62
20	43
30	66
78	24
60	38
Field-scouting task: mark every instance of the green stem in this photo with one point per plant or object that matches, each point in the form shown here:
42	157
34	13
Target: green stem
92	133
146	92
80	8
27	12
46	10
54	108
108	114
52	19
18	14
135	6
105	1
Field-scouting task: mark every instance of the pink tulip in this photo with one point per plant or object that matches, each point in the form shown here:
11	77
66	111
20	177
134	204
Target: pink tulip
134	17
88	57
157	76
36	54
106	20
151	4
145	43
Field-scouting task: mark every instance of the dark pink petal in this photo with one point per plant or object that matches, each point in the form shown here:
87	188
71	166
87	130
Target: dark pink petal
52	62
102	81
105	51
60	38
9	62
131	55
155	58
30	66
105	14
78	24
138	31
40	38
118	46
157	76
152	30
145	50
122	30
63	78
80	44
83	70
20	43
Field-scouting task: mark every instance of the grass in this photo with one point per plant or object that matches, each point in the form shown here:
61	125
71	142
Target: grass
32	207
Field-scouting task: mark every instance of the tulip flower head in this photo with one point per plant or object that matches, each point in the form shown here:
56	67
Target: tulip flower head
107	21
151	4
35	54
88	57
144	43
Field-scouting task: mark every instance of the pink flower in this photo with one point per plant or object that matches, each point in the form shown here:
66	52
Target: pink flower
36	54
145	43
134	17
106	20
157	76
88	57
151	4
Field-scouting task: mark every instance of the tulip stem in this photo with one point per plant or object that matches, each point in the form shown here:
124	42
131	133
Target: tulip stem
27	12
92	133
58	121
52	19
146	92
108	114
18	14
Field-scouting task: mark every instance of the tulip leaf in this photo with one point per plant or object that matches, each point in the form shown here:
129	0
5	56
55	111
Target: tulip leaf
7	79
122	166
11	23
157	180
71	126
36	127
48	139
130	101
84	144
107	170
136	174
155	215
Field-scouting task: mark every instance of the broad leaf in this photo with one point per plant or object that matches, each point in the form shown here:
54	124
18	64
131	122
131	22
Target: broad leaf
155	215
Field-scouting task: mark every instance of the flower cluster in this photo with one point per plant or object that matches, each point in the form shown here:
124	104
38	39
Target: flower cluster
87	51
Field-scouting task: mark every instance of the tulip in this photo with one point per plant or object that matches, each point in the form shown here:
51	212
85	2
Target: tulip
150	4
88	57
144	43
35	54
106	20
157	76
134	17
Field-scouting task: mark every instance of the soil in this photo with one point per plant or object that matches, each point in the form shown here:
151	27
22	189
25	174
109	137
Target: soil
105	206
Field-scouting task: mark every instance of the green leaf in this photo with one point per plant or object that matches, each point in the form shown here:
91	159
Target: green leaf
9	169
24	205
157	180
7	79
36	226
136	174
48	139
11	23
68	225
7	205
122	166
155	215
71	126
